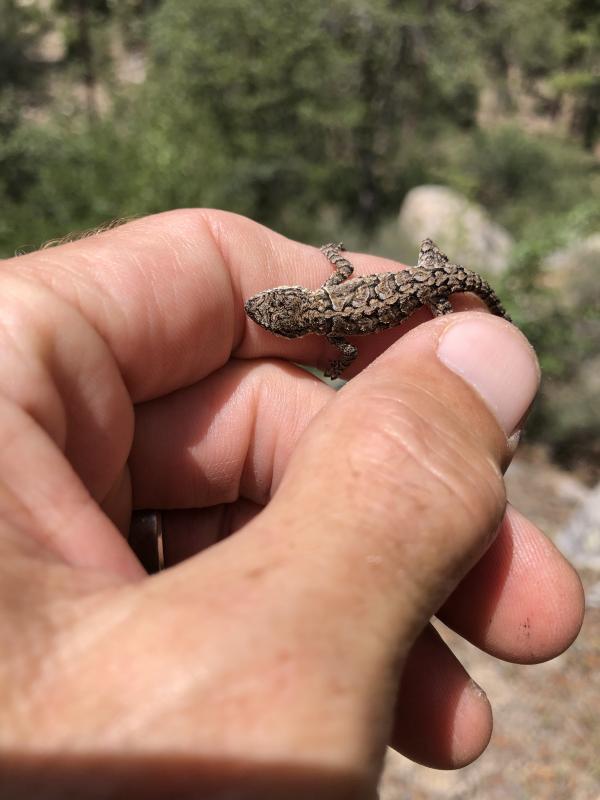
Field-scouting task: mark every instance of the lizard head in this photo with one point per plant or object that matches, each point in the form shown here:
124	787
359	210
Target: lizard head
281	310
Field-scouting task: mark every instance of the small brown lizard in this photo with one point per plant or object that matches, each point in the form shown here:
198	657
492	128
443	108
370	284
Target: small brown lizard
342	307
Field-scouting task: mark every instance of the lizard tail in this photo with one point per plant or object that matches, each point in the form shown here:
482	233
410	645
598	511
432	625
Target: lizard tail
479	286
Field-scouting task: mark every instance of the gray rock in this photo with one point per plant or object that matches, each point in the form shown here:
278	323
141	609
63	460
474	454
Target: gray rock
592	595
574	272
580	538
462	229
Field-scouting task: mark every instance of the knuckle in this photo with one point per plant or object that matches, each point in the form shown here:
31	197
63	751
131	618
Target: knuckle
415	447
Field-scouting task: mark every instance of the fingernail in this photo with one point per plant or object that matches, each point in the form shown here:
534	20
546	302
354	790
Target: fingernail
497	361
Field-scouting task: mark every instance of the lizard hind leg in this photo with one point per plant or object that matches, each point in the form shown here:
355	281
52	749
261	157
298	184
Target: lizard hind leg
439	306
349	353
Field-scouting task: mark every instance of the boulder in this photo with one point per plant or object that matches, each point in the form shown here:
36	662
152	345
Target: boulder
580	538
463	229
574	270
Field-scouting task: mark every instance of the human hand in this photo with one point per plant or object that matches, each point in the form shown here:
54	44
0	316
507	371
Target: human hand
280	661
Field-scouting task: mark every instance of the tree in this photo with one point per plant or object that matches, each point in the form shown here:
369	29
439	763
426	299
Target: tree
581	76
83	22
20	29
22	76
306	104
298	114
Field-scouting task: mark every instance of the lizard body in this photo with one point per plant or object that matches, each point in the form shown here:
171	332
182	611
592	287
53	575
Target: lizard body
342	307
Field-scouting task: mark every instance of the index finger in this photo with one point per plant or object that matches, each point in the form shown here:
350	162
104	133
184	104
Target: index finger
167	292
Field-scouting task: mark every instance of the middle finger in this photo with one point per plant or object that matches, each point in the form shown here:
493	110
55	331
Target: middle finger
231	436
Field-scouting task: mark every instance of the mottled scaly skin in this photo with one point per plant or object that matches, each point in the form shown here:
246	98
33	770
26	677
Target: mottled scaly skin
356	307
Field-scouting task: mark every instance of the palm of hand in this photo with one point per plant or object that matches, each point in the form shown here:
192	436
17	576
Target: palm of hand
225	663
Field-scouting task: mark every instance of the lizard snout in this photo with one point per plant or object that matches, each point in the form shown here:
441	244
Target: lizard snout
250	308
255	308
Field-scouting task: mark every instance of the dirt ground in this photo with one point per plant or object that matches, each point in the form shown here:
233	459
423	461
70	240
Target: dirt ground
546	740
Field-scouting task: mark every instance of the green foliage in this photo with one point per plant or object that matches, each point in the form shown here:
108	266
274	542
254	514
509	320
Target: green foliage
236	83
20	29
531	36
563	324
280	110
20	83
308	104
520	178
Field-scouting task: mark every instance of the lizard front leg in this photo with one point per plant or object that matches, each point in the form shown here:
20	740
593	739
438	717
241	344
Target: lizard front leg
349	353
343	268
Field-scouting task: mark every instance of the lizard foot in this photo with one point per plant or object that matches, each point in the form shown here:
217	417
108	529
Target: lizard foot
334	370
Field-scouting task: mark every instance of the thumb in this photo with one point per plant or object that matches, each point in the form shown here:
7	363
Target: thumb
396	488
393	493
288	640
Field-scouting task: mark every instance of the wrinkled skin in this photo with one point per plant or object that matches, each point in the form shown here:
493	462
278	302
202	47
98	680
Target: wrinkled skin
309	535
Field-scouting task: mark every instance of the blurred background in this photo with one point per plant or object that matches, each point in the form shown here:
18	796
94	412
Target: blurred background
476	122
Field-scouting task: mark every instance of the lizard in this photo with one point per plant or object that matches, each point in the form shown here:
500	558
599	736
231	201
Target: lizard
371	303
